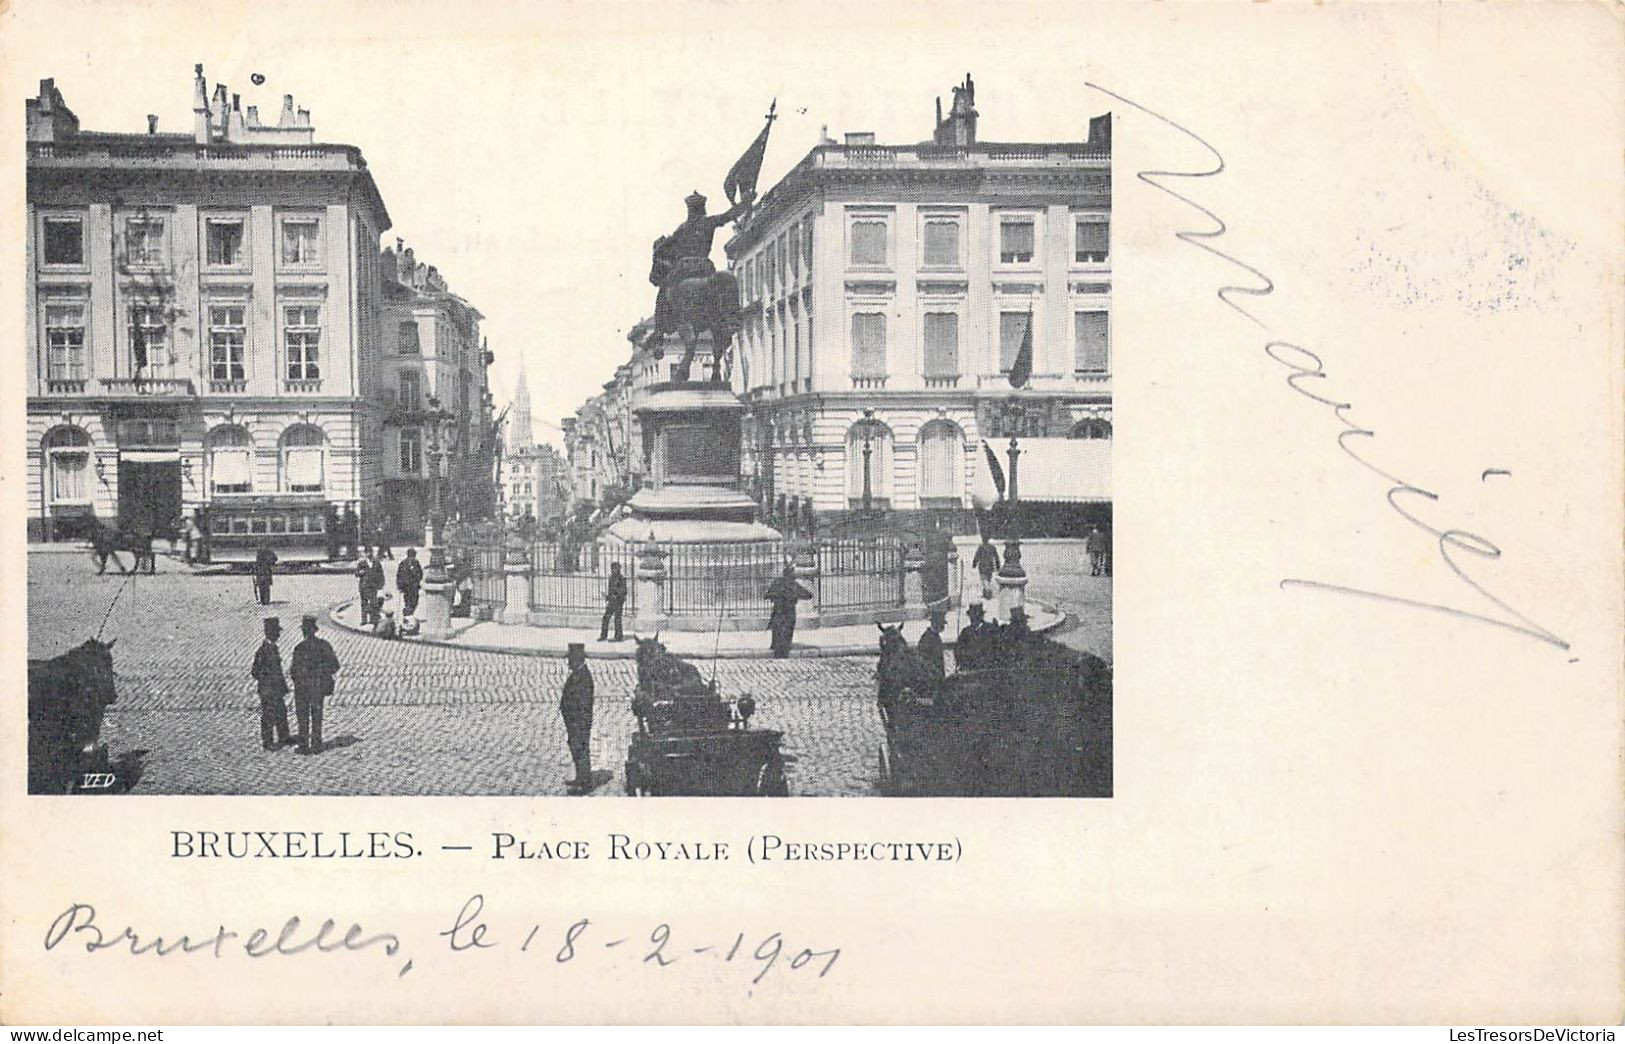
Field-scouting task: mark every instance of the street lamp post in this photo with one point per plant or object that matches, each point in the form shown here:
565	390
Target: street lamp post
1012	576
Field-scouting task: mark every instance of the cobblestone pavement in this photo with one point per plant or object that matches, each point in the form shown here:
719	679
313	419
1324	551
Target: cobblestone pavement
405	718
418	719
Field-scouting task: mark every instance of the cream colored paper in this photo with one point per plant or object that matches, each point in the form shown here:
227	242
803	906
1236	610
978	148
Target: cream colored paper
1328	808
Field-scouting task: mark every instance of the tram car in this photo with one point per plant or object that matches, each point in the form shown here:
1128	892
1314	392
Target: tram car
298	529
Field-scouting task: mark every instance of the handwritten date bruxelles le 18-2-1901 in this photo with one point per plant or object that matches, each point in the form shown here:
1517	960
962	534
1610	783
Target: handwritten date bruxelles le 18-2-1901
576	943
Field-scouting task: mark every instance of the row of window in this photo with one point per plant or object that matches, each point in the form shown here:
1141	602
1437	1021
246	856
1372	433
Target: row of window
144	241
778	264
228	458
942	240
151	347
940	342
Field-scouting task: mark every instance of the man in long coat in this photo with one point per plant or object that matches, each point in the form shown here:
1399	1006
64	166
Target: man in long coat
264	570
312	669
409	579
369	575
784	593
575	706
267	672
614	603
930	648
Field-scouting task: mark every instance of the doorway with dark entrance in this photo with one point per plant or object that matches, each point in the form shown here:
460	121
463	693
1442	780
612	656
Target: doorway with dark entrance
149	493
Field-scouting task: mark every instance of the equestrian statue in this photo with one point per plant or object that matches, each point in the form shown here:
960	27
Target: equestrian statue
694	298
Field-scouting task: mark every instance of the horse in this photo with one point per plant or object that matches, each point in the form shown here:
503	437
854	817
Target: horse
901	669
692	305
662	672
106	542
68	695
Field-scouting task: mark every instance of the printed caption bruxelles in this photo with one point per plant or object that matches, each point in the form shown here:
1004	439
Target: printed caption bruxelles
503	845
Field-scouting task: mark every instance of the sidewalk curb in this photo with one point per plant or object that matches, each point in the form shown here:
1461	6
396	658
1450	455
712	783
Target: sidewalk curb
628	650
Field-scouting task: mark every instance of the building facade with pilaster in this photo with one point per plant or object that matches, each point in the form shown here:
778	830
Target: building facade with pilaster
202	319
888	290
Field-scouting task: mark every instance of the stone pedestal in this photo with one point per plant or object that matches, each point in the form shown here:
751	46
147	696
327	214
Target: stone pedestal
1012	582
516	592
650	591
435	607
913	582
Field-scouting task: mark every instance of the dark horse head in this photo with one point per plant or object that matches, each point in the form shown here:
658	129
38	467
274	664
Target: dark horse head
659	669
900	667
68	696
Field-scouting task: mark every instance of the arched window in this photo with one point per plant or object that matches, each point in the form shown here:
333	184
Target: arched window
231	460
1091	428
67	465
304	453
942	464
878	439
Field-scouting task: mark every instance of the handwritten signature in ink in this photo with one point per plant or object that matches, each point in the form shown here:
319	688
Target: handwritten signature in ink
1307	367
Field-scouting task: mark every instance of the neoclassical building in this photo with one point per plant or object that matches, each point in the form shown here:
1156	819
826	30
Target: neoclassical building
203	315
888	290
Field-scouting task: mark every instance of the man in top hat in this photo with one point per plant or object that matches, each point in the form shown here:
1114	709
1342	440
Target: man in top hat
987	563
312	669
575	706
267	673
974	650
784	593
930	646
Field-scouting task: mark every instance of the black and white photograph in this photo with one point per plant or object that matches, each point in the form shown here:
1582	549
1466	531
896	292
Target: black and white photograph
339	483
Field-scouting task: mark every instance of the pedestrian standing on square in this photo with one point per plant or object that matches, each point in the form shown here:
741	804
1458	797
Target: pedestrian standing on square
986	563
575	706
264	569
312	669
1095	544
784	593
349	531
267	672
409	580
369	581
614	603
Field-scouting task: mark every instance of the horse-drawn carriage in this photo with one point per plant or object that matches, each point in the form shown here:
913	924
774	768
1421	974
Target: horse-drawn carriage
692	742
1033	719
68	696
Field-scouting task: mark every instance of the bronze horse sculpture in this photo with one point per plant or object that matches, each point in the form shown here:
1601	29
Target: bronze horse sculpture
68	696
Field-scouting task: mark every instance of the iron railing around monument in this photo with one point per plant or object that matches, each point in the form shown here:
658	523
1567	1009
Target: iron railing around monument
860	574
566	576
720	579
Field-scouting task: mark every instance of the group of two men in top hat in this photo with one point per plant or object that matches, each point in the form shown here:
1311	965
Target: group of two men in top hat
312	668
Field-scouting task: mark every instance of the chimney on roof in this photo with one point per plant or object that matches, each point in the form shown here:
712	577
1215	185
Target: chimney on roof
823	135
1100	130
860	137
304	118
235	127
219	111
253	117
48	116
286	119
152	124
200	105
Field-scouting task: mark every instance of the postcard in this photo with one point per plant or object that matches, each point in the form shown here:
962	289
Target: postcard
785	513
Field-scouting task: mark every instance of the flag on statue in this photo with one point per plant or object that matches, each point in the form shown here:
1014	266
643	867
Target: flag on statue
994	469
741	180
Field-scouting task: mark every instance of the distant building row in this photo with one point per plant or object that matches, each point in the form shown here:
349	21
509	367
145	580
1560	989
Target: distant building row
212	328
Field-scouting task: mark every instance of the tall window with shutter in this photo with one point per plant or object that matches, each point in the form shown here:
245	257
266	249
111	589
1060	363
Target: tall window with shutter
869	244
941	344
942	464
1015	241
869	344
1012	328
941	248
303	459
1092	334
1092	242
230	460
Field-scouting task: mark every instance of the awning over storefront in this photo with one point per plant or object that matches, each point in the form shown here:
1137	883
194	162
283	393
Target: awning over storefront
1056	471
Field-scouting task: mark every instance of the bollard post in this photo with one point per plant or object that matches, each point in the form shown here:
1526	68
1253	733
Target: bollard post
651	590
516	588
